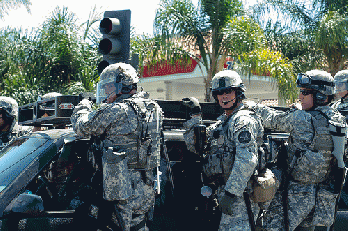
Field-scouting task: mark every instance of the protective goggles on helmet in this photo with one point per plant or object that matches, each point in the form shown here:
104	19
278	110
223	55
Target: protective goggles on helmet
303	79
307	81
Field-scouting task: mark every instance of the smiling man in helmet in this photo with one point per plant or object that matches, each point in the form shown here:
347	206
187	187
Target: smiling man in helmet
314	156
128	125
232	157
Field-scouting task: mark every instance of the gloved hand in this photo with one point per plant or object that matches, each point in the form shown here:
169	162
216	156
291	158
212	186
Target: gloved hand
84	104
226	203
193	104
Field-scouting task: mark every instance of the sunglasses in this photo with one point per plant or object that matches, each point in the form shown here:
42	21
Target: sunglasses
306	92
223	91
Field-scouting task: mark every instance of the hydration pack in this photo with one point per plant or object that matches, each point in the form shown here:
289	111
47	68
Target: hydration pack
149	129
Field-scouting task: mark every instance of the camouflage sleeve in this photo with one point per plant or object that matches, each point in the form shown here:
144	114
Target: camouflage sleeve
189	132
86	122
246	159
290	121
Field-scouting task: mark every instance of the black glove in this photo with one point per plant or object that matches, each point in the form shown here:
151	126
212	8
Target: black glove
226	203
193	104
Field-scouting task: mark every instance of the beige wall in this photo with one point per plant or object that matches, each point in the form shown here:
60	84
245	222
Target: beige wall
258	88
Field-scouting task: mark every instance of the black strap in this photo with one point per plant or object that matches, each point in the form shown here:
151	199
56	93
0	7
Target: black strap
249	210
139	226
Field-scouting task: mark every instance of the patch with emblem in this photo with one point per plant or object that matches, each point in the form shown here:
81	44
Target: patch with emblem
244	137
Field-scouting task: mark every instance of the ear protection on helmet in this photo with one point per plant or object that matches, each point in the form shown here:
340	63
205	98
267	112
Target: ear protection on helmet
319	98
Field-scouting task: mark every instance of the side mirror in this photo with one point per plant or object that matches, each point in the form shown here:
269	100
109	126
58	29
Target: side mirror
29	204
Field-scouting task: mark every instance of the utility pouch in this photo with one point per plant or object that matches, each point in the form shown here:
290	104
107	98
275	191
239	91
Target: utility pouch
116	176
324	214
312	167
265	186
200	132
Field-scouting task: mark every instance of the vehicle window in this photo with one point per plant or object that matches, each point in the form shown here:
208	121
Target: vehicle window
15	157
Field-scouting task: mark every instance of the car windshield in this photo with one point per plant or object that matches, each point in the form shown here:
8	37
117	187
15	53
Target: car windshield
16	156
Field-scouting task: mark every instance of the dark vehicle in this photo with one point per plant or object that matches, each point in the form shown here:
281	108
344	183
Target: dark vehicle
44	176
52	180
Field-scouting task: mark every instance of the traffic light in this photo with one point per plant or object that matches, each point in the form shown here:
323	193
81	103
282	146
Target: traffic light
115	44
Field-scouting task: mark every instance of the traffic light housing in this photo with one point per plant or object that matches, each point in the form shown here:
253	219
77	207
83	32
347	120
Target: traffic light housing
115	45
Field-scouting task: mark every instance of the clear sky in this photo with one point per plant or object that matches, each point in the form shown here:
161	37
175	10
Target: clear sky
142	12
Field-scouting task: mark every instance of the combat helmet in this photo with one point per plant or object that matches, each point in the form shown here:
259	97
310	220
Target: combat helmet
9	110
321	82
49	95
341	80
123	77
228	80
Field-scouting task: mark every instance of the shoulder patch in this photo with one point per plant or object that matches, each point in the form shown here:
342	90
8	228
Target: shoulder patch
244	137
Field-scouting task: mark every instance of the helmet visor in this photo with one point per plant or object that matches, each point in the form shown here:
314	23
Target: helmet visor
108	87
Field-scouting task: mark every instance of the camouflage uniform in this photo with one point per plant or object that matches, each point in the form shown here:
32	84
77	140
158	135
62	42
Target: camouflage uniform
341	85
310	199
231	159
127	170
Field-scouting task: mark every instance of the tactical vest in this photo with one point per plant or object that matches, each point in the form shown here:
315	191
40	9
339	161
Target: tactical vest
146	153
219	162
313	167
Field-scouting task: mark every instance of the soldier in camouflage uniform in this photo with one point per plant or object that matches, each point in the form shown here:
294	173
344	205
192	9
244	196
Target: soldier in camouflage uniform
341	91
129	126
232	157
8	120
313	153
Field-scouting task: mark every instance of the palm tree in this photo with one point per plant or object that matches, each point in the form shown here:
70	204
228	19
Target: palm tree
6	5
203	26
331	37
319	24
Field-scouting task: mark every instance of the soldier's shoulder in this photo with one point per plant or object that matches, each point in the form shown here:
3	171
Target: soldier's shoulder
299	115
333	114
246	118
114	108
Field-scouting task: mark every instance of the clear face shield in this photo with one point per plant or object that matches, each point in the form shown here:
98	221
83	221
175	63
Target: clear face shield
107	88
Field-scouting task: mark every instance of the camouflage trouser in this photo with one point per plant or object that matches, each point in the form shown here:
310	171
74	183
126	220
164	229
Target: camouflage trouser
239	220
308	206
132	211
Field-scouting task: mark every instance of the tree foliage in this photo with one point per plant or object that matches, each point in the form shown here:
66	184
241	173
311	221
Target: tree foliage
55	57
6	5
202	26
312	32
266	62
331	37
